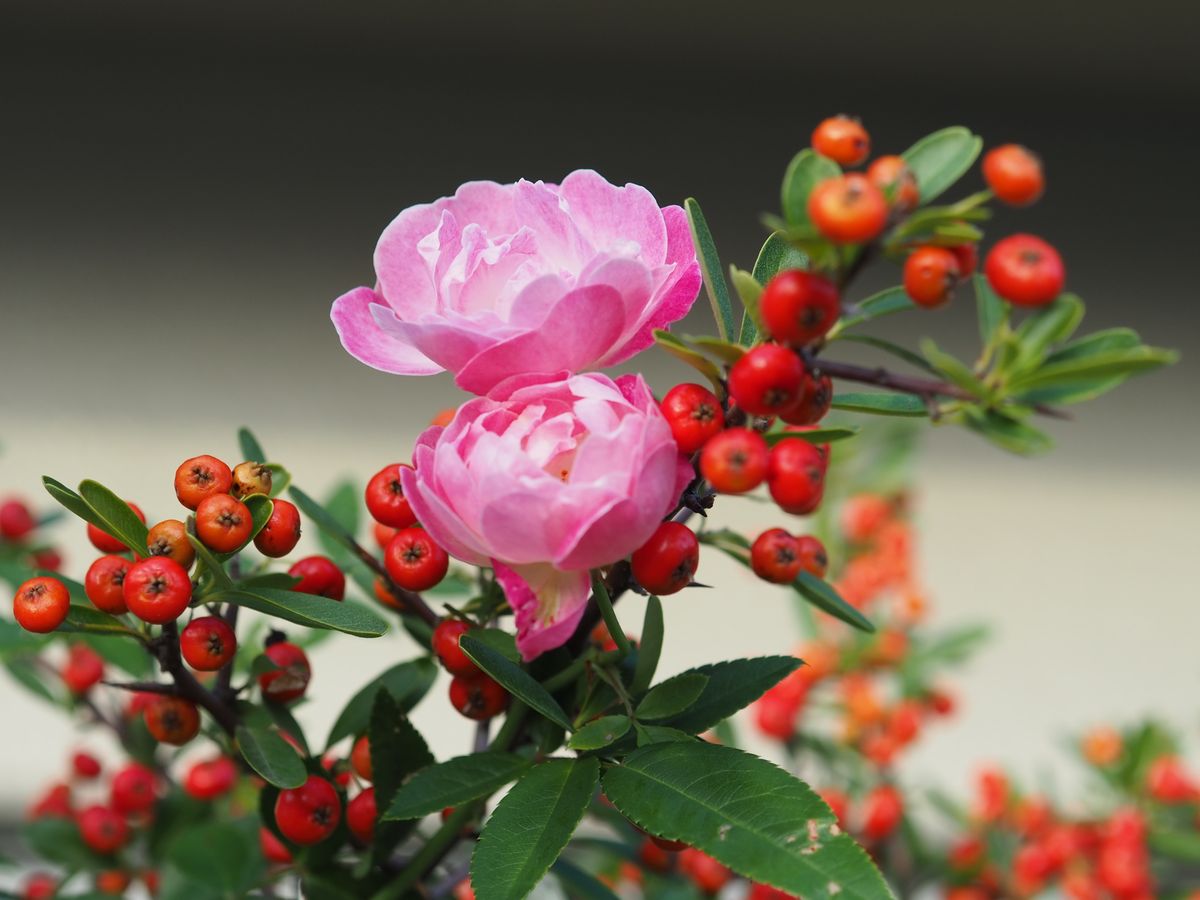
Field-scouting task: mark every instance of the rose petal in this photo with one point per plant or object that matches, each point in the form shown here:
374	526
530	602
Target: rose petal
547	604
368	343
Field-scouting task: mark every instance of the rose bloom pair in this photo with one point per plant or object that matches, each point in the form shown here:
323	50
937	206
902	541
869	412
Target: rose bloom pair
516	289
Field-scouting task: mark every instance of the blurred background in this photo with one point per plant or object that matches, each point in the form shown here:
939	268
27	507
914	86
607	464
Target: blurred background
185	188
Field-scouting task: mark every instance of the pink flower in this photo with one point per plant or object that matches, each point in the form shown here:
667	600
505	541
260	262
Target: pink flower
559	478
517	279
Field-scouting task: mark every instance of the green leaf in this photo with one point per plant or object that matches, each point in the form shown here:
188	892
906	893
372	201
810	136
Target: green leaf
712	270
814	436
397	750
328	524
235	844
672	696
306	609
210	563
342	504
407	682
57	841
880	404
68	499
26	674
894	349
954	370
1007	433
271	756
990	309
806	170
940	159
455	782
89	620
731	686
1096	365
514	679
280	478
723	351
1180	845
261	507
1045	328
531	826
749	290
498	640
885	303
650	647
822	595
599	733
1069	392
1095	343
697	361
252	450
776	256
113	515
579	884
747	813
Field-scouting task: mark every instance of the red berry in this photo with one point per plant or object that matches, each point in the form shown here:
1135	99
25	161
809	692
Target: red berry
272	848
310	813
360	816
837	802
848	209
47	558
39	886
169	538
477	696
133	790
654	857
16	520
290	679
813	558
105	542
1025	270
445	644
892	175
360	758
967	256
200	477
385	498
1168	782
930	275
414	561
211	778
172	720
796	476
775	557
223	523
282	531
669	846
85	765
767	380
113	882
816	396
776	715
704	871
250	478
83	670
55	803
103	830
41	604
735	461
1014	174
207	643
383	534
799	307
103	584
667	562
157	590
319	575
842	139
881	813
694	414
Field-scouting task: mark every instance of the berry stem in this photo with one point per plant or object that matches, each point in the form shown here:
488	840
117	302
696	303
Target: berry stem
604	603
189	688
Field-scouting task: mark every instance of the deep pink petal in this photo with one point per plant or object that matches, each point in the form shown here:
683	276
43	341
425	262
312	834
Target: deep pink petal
547	604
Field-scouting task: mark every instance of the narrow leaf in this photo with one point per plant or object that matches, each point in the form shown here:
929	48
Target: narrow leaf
88	620
913	359
1112	362
271	756
711	268
954	370
650	646
822	595
325	521
252	450
1095	343
814	436
455	782
531	826
749	289
991	311
514	679
881	404
885	303
697	361
1007	433
1047	327
342	504
806	170
306	609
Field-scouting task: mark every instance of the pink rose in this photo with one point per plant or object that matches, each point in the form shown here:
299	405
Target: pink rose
559	478
516	279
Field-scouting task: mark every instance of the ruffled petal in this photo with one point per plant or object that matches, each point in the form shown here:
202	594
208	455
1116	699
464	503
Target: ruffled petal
547	604
356	325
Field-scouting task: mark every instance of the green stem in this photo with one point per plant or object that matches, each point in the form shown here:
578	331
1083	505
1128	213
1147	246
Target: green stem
615	631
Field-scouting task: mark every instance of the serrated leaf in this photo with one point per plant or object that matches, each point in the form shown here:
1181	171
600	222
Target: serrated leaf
455	782
806	170
672	696
731	686
531	826
397	750
747	813
940	159
514	679
252	450
814	436
271	756
711	269
991	311
599	733
649	648
407	682
305	609
880	404
885	303
954	370
581	885
822	595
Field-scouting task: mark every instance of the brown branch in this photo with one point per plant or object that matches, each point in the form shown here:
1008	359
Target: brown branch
907	384
145	687
167	650
412	602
